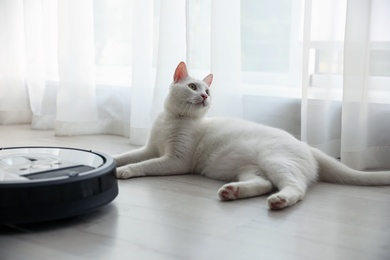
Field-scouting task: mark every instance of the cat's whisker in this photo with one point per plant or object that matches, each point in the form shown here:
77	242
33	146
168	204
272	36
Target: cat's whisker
184	105
188	105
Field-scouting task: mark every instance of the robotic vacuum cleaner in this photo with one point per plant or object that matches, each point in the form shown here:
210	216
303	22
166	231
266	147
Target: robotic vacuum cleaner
48	183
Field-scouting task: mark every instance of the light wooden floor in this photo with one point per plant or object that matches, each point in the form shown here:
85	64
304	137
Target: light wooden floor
180	217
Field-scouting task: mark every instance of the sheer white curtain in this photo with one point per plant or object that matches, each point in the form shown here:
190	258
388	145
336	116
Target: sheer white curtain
168	30
88	67
318	69
347	94
14	105
77	110
366	101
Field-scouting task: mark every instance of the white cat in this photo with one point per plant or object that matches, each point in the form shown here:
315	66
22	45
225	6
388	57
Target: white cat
254	158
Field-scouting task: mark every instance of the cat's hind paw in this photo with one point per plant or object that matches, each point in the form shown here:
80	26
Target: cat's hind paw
276	202
229	192
126	172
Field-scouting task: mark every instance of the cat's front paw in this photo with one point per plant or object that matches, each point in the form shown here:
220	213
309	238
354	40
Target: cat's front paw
229	192
126	172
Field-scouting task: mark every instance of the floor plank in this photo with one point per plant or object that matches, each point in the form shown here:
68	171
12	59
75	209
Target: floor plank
180	217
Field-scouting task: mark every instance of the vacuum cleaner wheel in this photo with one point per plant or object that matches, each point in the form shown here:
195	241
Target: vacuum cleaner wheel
48	183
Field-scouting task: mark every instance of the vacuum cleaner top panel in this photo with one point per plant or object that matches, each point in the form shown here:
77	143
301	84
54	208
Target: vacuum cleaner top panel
45	163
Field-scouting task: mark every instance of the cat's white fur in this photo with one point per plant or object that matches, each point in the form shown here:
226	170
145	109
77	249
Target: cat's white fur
253	158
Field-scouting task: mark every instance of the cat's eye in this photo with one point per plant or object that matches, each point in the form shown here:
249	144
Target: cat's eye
192	86
208	92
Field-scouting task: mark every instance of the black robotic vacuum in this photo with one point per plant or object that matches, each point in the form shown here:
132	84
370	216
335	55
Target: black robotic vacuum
48	183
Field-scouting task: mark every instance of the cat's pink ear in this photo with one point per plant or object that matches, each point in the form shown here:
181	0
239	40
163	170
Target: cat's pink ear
180	72
208	79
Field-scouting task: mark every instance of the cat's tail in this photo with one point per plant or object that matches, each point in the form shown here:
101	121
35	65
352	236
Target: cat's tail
331	170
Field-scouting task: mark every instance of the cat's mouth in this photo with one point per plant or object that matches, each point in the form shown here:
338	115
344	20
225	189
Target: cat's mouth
202	103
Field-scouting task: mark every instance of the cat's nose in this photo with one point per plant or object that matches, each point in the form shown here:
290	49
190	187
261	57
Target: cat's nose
204	96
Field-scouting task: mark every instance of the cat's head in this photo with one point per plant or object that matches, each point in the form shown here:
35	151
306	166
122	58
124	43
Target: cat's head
187	96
